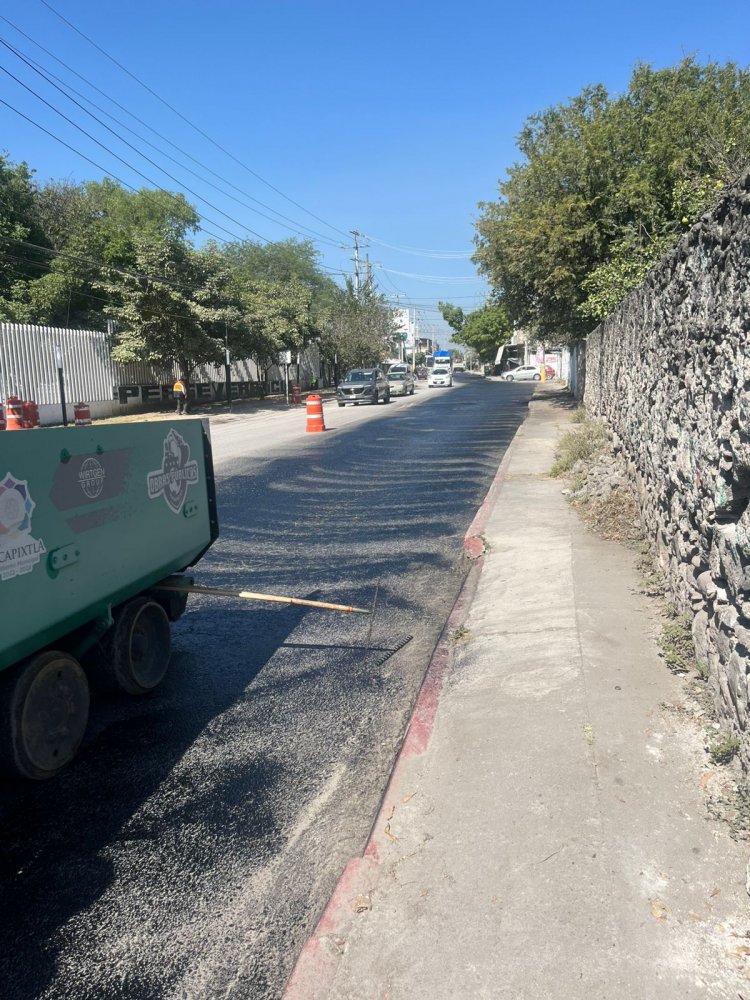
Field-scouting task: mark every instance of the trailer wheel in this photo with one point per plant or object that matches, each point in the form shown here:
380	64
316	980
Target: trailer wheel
45	708
136	648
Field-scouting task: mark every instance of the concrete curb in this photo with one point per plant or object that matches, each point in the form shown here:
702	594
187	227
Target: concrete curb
318	961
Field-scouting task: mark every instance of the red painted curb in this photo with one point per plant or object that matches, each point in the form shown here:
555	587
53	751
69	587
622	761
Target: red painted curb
318	961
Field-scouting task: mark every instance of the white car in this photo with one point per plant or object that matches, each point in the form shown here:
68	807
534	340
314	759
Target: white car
522	373
439	376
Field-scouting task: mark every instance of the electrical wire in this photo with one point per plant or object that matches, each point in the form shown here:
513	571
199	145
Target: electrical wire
95	298
108	172
41	72
145	124
125	162
296	227
104	266
189	122
424	252
50	78
427	277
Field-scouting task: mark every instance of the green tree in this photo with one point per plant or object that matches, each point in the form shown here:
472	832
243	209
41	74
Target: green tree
453	315
482	330
91	226
177	314
358	330
21	233
605	186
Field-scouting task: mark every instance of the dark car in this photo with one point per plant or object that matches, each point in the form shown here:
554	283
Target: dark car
422	372
363	385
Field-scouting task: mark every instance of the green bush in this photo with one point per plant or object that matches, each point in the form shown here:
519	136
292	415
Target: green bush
724	749
676	645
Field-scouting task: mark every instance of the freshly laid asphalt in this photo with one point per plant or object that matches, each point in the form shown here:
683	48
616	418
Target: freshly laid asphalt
546	831
191	847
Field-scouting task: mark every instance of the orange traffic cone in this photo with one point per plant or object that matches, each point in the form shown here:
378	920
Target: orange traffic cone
315	414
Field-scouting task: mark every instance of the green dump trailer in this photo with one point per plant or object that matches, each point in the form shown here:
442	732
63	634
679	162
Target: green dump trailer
96	523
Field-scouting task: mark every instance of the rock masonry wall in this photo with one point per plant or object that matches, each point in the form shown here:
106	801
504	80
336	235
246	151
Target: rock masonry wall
669	373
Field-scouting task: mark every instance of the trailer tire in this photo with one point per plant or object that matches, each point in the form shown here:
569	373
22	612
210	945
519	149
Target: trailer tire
134	653
43	714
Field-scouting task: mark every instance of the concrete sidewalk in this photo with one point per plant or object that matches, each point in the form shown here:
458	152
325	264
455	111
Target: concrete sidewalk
547	837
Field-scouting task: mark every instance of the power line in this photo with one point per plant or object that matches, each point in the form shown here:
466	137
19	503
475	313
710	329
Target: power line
188	121
123	161
88	295
428	277
145	124
50	77
103	265
423	251
130	166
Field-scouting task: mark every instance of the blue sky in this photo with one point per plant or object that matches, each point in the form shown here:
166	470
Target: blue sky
391	118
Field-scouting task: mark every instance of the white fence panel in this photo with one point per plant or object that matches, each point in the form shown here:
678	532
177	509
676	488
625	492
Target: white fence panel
28	369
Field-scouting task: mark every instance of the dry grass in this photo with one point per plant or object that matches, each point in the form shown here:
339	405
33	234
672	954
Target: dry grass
586	442
614	517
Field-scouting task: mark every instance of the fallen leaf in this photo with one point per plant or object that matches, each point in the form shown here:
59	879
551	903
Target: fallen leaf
695	916
714	892
659	910
740	952
362	903
408	798
388	832
705	778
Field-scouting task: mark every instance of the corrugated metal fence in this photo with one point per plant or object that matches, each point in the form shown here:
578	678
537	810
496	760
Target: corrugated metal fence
28	369
27	363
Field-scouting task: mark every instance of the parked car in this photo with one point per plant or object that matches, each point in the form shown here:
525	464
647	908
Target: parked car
401	367
439	376
523	373
422	372
401	383
363	385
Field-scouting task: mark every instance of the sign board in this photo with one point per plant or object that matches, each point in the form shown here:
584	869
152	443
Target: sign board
285	357
404	326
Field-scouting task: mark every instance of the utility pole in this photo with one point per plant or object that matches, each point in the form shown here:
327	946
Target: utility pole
356	236
414	344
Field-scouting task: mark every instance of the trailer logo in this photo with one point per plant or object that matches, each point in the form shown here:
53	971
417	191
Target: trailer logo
19	552
177	472
91	478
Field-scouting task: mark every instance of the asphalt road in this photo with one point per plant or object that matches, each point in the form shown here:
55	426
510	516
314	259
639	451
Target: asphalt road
190	848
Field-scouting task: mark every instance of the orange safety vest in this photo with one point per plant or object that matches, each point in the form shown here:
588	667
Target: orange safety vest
179	386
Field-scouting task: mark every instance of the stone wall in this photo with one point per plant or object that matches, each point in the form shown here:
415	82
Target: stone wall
669	373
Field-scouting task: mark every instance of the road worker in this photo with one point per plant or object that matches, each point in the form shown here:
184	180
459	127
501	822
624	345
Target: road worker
180	394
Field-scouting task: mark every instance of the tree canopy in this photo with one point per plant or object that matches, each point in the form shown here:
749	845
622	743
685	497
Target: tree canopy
483	330
82	254
606	185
